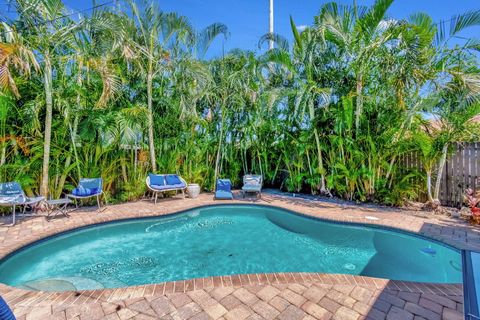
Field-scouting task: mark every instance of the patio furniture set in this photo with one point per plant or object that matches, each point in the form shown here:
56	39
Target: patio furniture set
161	183
12	194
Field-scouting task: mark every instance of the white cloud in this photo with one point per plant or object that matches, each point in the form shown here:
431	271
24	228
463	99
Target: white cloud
302	27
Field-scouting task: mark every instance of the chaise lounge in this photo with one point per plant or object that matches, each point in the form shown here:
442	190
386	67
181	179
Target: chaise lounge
161	183
12	195
223	190
252	184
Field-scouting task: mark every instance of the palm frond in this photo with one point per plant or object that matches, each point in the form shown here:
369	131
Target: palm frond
278	39
208	35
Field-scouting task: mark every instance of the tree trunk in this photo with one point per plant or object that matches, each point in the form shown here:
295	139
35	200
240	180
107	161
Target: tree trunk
441	165
63	177
48	125
429	186
359	109
151	143
3	157
217	161
73	134
323	187
68	161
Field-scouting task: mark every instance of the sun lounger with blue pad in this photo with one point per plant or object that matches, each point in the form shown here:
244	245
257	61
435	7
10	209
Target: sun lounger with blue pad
223	190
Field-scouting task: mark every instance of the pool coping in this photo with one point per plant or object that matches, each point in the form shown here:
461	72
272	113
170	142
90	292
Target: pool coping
27	298
19	296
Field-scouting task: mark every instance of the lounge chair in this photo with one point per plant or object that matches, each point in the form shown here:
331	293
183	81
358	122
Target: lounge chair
252	184
88	188
160	183
223	190
12	195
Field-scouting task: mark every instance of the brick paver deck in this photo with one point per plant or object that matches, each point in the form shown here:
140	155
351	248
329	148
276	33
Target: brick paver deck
257	296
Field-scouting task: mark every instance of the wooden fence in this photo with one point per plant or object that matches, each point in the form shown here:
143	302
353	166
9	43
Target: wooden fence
461	171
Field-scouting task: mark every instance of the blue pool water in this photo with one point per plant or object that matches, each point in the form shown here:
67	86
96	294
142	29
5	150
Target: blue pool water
223	240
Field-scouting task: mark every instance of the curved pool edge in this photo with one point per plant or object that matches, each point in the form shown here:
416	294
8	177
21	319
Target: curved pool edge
6	252
376	224
27	298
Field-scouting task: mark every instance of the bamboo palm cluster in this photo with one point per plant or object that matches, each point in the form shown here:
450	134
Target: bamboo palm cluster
121	91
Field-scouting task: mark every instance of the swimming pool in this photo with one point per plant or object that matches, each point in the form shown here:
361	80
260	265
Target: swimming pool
223	240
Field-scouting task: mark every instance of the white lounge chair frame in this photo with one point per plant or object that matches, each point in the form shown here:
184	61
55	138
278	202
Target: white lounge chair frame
97	195
156	192
253	177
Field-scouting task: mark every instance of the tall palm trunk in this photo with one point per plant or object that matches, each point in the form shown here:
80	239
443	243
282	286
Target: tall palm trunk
151	143
219	152
323	188
321	169
48	125
429	185
441	165
359	109
73	134
3	157
68	160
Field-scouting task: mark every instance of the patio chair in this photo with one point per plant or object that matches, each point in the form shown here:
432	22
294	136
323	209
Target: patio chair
12	195
88	188
252	184
223	190
161	183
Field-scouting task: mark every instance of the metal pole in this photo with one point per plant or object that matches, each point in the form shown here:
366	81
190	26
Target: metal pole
270	44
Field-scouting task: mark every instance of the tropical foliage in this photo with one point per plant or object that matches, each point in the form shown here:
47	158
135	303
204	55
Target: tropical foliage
119	92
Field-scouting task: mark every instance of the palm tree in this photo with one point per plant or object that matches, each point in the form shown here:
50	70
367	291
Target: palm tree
14	55
309	96
92	47
47	31
360	33
148	47
456	89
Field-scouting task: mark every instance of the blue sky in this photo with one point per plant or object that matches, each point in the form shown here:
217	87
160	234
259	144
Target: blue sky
247	20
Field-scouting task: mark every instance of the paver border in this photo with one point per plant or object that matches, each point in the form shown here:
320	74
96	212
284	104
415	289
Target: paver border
30	297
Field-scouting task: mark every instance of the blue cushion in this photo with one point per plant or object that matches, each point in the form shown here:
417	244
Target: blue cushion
168	187
223	195
5	312
157	187
224	184
85	192
10	189
173	179
91	183
156	179
252	188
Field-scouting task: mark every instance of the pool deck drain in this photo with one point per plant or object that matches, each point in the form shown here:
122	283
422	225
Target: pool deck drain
262	296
